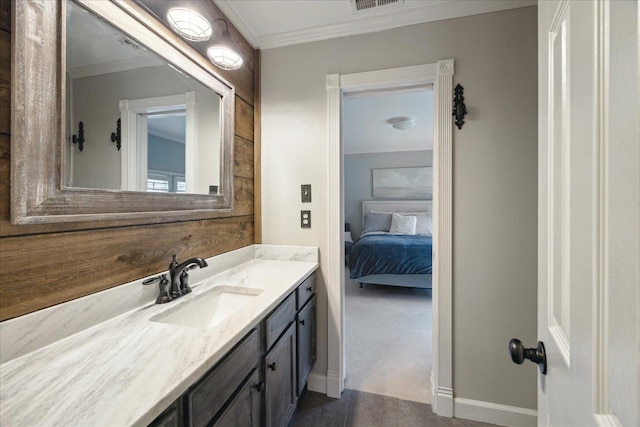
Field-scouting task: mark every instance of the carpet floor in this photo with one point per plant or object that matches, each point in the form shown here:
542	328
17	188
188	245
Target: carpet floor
388	336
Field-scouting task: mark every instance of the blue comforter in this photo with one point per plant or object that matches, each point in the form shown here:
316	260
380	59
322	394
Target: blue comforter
390	254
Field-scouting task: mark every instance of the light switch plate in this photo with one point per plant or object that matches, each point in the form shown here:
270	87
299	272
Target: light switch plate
305	219
306	193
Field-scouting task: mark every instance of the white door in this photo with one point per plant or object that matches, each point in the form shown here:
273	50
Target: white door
589	212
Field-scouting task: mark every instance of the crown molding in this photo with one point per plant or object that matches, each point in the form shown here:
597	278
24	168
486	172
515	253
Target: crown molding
115	67
237	22
370	24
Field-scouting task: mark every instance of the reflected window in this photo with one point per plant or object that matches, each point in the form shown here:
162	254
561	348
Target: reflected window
159	182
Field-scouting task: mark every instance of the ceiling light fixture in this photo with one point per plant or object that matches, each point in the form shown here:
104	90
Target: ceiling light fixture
402	123
189	24
224	52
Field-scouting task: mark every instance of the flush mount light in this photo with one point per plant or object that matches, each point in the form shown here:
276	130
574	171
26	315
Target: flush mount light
401	123
189	24
224	52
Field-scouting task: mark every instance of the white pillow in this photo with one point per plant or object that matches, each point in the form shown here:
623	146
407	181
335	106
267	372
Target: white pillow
424	224
403	224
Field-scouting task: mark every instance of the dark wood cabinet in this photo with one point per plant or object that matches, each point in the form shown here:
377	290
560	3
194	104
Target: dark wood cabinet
205	401
306	289
306	342
280	380
279	320
245	409
171	417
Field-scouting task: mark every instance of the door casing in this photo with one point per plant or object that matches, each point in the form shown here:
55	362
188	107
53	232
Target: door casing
439	74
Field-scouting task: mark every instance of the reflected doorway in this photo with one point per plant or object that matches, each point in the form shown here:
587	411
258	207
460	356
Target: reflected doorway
165	139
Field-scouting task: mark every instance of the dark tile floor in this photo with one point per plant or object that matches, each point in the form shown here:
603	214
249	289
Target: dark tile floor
360	409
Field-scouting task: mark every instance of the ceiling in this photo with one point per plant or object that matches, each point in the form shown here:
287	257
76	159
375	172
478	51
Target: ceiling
367	116
95	47
269	24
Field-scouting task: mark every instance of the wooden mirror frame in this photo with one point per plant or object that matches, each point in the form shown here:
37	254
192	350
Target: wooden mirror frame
38	145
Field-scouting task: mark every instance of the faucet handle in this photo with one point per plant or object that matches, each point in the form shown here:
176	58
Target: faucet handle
163	288
184	282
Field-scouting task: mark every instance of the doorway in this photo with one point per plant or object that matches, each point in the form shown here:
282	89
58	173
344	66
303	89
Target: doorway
388	323
439	74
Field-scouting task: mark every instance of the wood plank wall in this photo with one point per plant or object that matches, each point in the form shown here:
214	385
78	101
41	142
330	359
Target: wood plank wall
44	265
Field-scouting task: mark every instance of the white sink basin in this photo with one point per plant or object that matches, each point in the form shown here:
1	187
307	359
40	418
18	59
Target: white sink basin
210	308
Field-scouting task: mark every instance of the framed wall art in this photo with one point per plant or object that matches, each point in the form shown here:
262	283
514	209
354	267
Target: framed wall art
403	183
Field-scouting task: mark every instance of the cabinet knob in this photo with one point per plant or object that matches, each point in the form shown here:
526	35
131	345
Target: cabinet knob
309	289
259	387
272	366
302	322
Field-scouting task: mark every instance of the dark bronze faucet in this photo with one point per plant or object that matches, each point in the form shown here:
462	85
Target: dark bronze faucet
178	276
178	282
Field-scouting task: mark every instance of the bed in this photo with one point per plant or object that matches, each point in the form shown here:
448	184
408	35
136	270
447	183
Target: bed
385	254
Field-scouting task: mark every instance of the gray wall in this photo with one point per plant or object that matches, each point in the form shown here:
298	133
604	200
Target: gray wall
494	177
96	103
357	178
165	155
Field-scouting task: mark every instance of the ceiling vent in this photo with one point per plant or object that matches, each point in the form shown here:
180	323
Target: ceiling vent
358	6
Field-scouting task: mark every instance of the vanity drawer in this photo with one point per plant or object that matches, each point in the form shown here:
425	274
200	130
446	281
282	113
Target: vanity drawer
305	290
278	321
211	393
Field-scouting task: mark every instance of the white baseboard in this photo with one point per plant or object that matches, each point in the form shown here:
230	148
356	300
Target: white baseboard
317	383
494	413
334	388
443	402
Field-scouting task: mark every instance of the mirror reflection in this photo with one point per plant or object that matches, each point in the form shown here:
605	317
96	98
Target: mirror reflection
134	122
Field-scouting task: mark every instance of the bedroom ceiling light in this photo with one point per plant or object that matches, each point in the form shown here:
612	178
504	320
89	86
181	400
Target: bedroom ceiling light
402	123
224	52
189	24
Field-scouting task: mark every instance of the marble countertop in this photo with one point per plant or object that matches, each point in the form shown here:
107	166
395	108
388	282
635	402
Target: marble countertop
127	370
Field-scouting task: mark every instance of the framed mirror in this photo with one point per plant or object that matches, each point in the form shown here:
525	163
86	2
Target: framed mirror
114	117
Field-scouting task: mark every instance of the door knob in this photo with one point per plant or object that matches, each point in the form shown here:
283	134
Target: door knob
536	355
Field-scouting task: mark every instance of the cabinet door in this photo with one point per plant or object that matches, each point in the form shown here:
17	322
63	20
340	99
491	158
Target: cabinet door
245	408
306	326
171	417
205	400
280	380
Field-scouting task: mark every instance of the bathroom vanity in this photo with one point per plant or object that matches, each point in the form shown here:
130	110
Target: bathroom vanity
145	366
259	381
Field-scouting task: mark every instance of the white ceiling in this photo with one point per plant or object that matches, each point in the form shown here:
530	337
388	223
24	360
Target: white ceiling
269	24
366	116
95	47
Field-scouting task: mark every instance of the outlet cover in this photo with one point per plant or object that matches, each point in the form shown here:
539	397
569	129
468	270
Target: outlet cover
305	219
